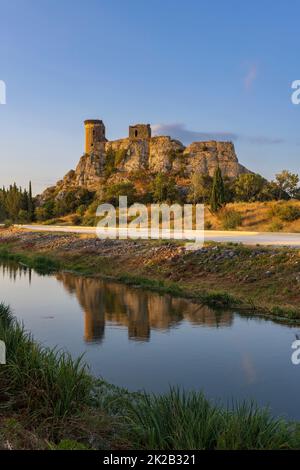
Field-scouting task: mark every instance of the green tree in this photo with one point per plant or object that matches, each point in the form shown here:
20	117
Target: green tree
114	191
13	201
248	187
110	162
42	214
200	188
271	192
15	204
217	197
164	189
287	182
23	216
30	207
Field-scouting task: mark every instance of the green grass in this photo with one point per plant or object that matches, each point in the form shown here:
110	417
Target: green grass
42	264
49	385
151	284
187	420
46	381
212	299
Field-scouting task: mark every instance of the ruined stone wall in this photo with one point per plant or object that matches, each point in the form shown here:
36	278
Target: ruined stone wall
140	131
94	132
156	154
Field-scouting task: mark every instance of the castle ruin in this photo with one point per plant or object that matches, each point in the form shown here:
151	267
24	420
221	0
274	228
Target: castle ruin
141	151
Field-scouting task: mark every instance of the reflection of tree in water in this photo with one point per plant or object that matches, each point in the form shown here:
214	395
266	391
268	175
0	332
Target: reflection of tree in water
15	271
140	311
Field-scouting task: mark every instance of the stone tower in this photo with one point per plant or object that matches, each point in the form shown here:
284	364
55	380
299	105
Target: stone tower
94	132
140	131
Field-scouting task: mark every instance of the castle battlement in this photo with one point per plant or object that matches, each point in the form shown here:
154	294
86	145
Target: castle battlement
119	159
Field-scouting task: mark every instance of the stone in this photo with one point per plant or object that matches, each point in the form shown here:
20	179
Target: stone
140	151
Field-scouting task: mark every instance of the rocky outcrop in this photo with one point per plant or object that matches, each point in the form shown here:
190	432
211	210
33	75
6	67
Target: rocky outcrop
164	152
205	157
119	159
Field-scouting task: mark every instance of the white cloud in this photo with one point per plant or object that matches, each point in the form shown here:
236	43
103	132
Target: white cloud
180	132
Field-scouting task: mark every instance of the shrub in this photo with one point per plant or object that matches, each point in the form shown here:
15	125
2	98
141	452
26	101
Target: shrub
89	221
208	225
200	188
75	219
42	214
114	191
8	223
164	189
248	187
275	226
287	212
23	216
81	210
230	219
120	156
110	162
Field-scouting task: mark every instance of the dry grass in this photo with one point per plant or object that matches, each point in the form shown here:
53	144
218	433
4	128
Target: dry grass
257	217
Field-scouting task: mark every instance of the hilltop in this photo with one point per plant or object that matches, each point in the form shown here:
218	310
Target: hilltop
140	156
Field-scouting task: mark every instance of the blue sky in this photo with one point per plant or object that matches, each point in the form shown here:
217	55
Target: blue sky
192	68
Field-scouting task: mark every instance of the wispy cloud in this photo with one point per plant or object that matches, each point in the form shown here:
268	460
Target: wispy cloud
180	132
263	140
251	76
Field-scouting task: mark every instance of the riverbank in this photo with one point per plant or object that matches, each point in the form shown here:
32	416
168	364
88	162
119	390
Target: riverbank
263	280
49	401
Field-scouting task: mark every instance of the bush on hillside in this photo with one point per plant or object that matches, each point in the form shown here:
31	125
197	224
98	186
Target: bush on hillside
275	226
230	219
114	191
285	212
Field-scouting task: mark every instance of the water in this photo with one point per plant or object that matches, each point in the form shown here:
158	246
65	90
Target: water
143	340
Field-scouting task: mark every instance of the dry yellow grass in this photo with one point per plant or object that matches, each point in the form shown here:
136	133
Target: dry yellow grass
257	216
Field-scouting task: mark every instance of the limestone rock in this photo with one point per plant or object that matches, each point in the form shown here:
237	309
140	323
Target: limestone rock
205	157
140	151
163	153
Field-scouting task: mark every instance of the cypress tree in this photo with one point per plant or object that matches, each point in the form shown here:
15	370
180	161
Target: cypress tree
30	204
217	198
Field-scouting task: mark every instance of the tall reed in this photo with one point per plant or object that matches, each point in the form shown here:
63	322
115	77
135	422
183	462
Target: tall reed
47	381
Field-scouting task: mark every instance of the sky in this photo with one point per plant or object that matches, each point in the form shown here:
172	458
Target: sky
193	69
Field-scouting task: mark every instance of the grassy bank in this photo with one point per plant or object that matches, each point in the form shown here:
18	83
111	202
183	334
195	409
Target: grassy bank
49	401
259	279
41	264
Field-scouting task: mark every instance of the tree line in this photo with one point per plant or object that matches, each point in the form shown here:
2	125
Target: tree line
16	204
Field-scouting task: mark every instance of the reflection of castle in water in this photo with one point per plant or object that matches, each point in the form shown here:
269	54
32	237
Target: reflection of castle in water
140	311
